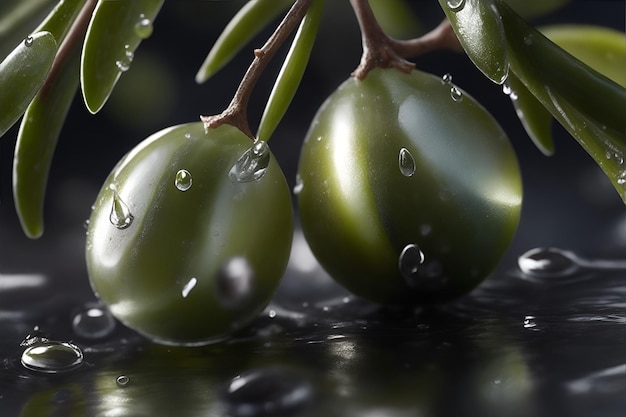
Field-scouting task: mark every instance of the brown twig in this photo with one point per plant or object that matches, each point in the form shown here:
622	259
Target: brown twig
382	51
236	114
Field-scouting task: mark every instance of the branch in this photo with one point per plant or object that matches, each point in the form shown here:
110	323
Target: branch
236	114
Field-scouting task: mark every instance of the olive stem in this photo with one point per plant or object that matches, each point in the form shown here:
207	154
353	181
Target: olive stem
236	114
382	51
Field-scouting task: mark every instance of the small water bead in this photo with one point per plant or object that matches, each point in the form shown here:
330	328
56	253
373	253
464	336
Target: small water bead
530	323
547	262
447	78
456	94
410	260
93	322
297	189
183	180
621	178
52	357
28	41
456	5
143	28
120	216
123	64
272	391
252	164
34	338
189	285
406	163
122	381
235	282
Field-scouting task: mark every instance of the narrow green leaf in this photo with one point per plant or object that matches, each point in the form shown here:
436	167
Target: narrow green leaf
253	17
115	31
37	139
291	72
534	117
396	17
603	49
588	104
60	19
17	20
22	73
478	26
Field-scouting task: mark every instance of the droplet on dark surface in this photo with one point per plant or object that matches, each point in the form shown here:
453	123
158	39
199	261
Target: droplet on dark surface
93	321
52	357
273	391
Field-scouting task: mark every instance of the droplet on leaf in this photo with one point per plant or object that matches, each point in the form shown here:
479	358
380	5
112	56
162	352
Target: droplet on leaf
120	216
183	180
406	162
143	28
252	164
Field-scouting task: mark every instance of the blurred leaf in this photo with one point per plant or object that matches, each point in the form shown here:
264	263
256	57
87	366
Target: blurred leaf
535	8
291	72
115	31
534	117
37	139
17	20
603	49
479	29
253	17
396	18
60	19
22	73
589	105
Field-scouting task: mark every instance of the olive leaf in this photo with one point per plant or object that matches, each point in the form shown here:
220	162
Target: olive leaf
603	49
114	33
22	73
253	17
60	19
37	139
396	18
589	105
17	20
479	29
291	72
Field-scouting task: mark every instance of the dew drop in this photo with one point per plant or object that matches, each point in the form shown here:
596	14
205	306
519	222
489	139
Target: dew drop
143	28
406	162
52	357
297	189
456	94
621	178
93	322
235	282
120	216
447	78
122	381
456	5
547	262
36	337
268	392
410	260
123	64
183	180
187	135
252	164
271	314
29	41
189	285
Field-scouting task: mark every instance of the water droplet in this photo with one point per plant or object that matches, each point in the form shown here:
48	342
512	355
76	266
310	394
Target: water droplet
252	164
52	357
143	28
530	323
122	381
121	216
187	135
297	189
410	260
456	5
123	64
183	180
36	337
456	94
29	41
235	281
621	178
271	314
447	78
406	162
93	322
189	285
547	262
268	392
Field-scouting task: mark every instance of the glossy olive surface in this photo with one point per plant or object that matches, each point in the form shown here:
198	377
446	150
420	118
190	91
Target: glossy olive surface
409	191
178	248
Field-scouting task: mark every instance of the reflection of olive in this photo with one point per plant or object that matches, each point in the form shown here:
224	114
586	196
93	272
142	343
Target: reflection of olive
410	191
190	234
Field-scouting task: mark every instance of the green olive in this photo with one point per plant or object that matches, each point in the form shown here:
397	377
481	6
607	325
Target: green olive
190	234
409	191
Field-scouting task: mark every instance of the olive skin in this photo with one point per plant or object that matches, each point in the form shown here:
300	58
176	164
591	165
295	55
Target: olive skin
195	260
407	163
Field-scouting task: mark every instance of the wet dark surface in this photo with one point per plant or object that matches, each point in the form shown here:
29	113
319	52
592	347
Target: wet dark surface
519	345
